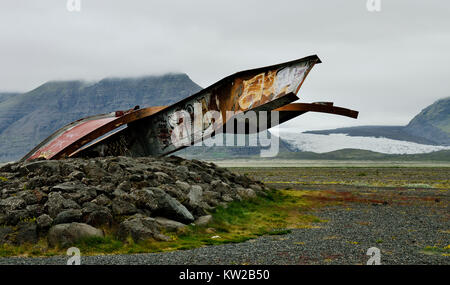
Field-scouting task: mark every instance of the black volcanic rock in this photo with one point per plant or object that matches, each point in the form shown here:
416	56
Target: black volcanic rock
131	206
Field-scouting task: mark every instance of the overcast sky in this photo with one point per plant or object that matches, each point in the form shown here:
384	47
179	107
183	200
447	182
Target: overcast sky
388	64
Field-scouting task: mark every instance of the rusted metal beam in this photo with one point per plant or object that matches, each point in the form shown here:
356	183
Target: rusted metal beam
323	107
290	111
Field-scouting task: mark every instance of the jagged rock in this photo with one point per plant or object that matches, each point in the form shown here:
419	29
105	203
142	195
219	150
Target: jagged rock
37	181
227	198
246	193
54	180
145	199
96	215
114	167
185	187
69	187
139	229
104	188
182	169
35	210
99	218
162	177
111	188
44	222
169	225
50	166
182	172
195	195
203	220
125	186
135	178
174	192
81	196
120	194
94	170
121	207
68	216
207	177
221	187
78	175
102	200
171	208
28	196
11	204
211	195
242	180
7	193
56	203
67	234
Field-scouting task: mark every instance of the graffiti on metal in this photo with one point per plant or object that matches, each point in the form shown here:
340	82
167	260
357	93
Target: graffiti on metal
241	94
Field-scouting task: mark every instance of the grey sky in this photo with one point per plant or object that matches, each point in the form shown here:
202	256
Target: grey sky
388	64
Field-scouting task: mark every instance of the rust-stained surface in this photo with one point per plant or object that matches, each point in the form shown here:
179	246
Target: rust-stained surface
66	135
74	135
296	109
149	131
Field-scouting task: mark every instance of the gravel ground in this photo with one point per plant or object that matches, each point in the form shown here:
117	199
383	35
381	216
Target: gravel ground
401	226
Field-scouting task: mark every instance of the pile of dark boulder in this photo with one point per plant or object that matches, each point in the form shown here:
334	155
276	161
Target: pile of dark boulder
142	198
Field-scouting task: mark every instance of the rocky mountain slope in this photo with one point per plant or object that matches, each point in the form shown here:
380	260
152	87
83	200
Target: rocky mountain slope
433	122
142	198
6	95
430	126
28	118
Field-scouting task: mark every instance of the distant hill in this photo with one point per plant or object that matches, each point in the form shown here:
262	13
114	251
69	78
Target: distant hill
26	119
430	126
6	95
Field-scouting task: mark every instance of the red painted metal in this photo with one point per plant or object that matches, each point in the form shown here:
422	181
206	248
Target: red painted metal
75	135
68	137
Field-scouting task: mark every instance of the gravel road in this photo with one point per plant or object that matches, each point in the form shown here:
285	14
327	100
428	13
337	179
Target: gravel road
401	226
